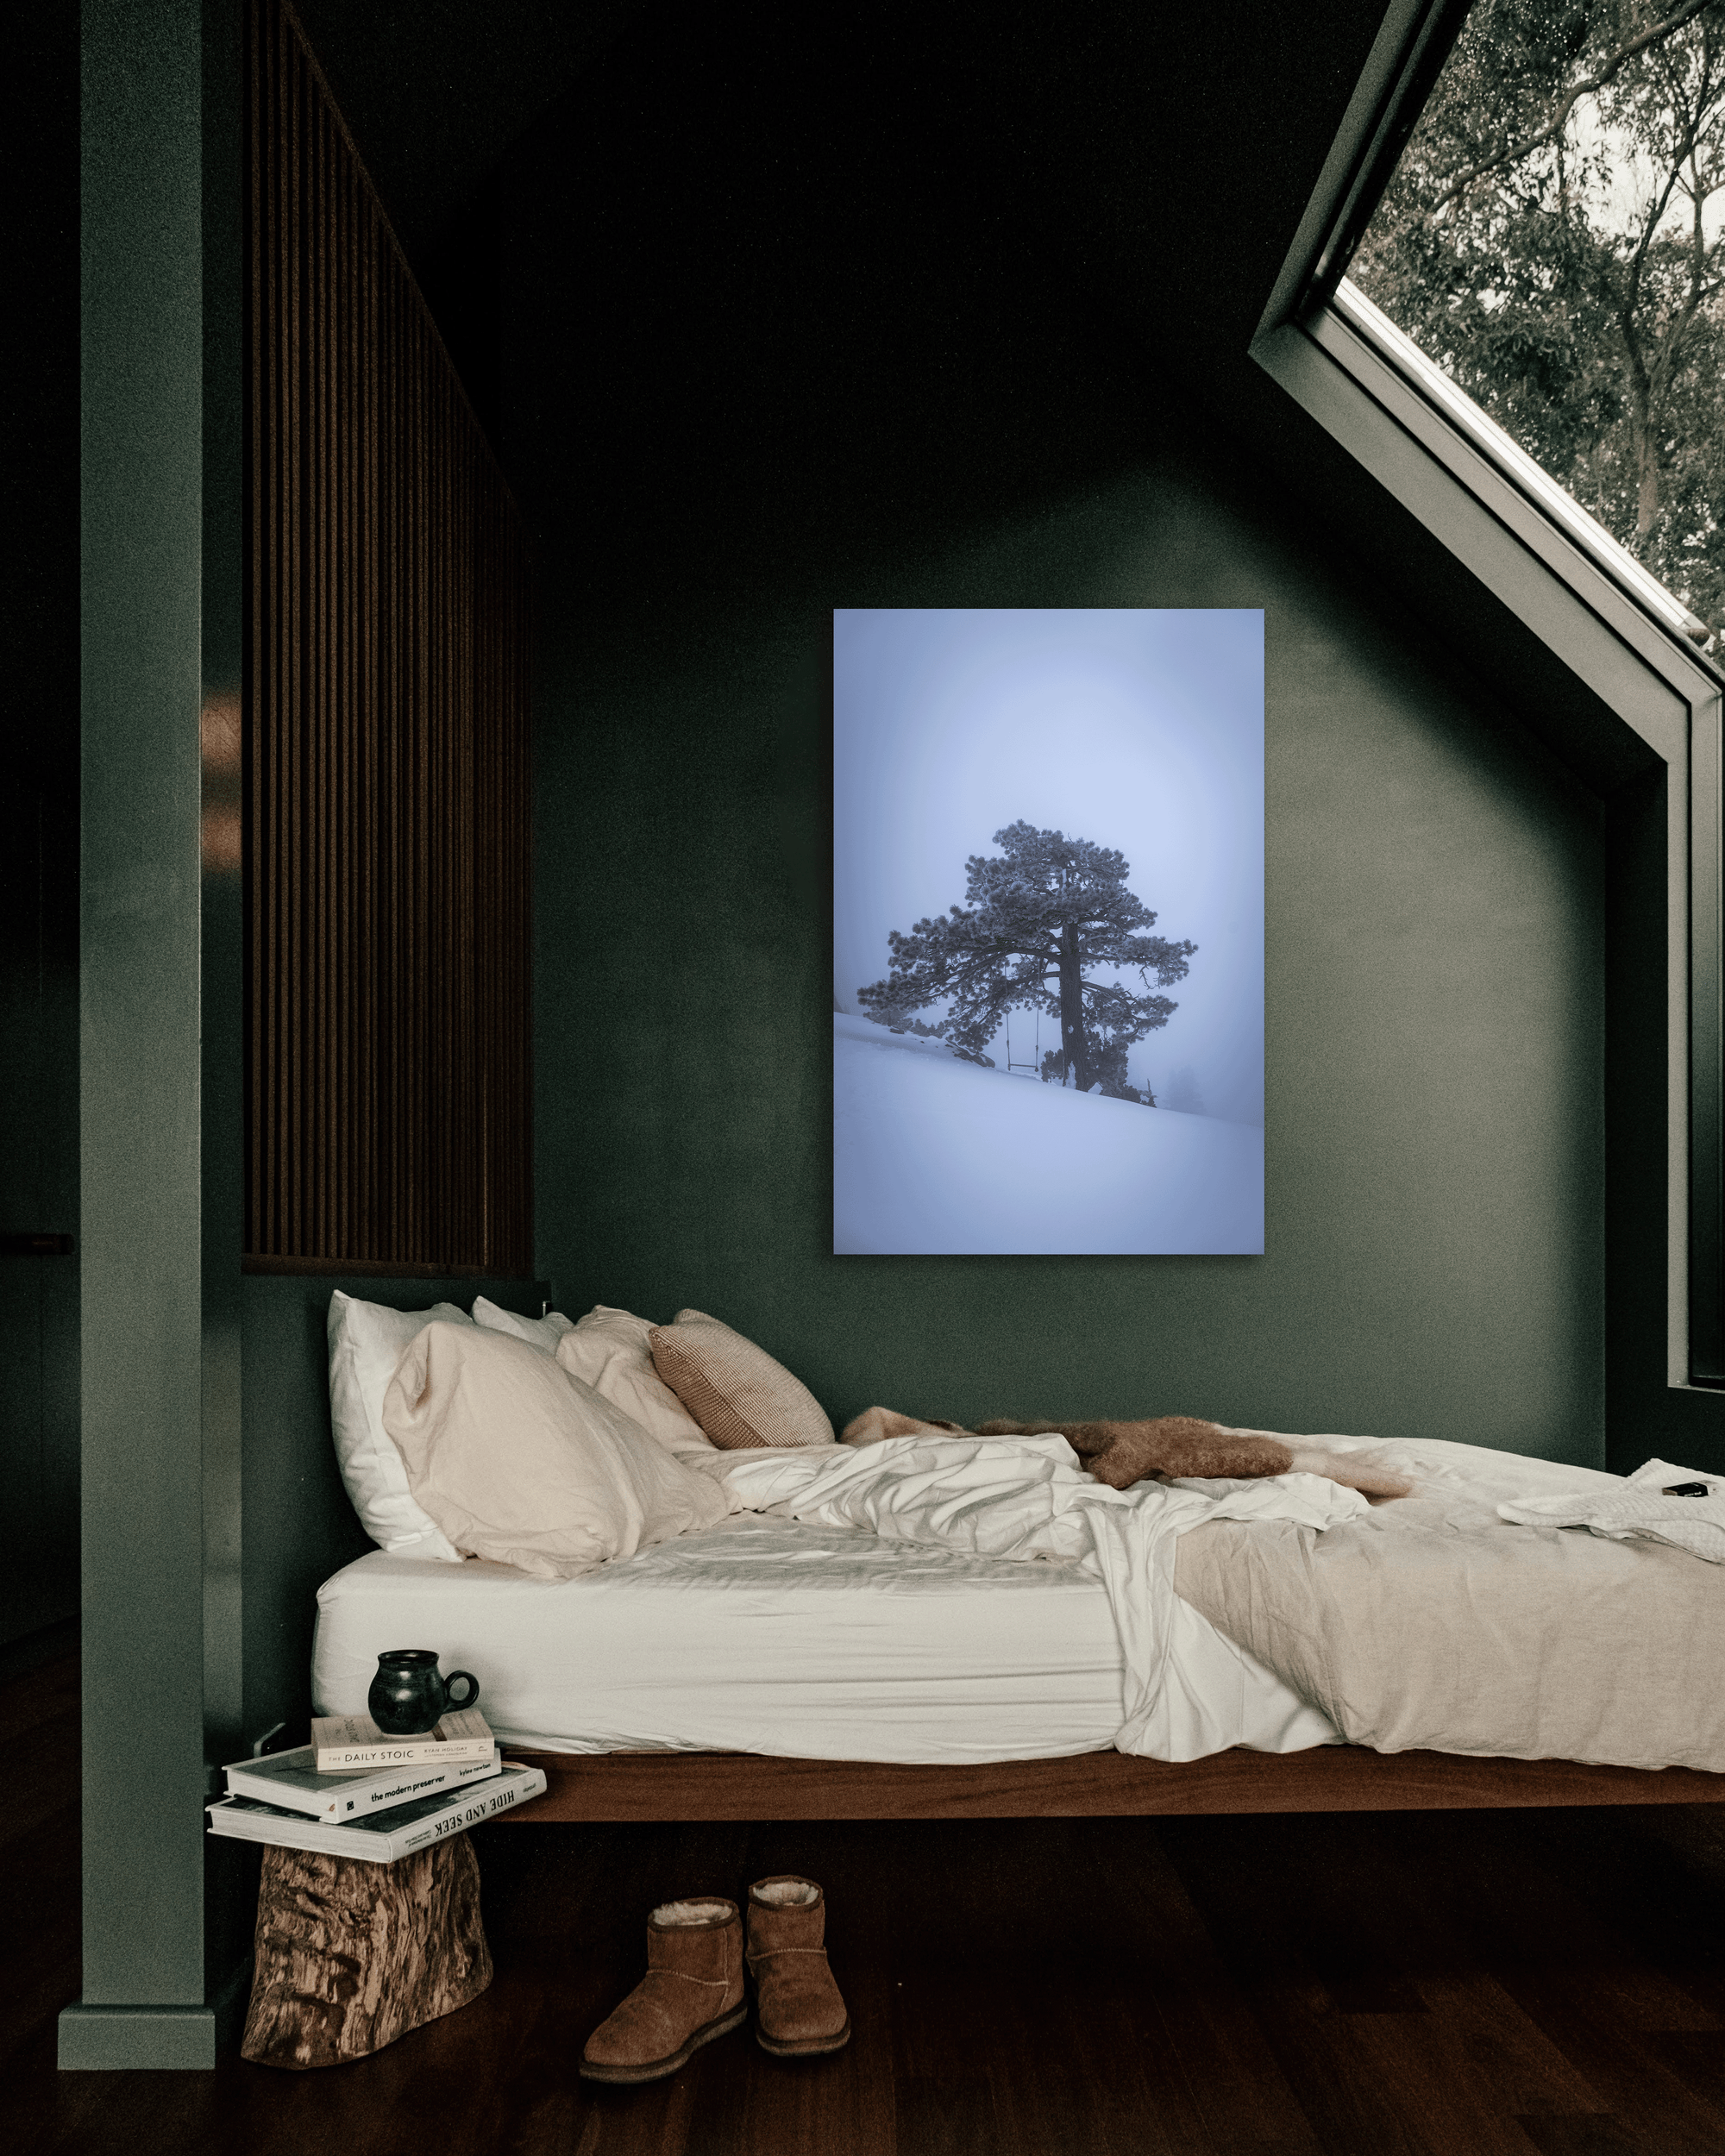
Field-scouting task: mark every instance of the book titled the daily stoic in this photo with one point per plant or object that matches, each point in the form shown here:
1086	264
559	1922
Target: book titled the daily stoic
344	1743
385	1837
291	1779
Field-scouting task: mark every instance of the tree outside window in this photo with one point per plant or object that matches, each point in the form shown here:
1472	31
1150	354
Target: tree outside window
1554	238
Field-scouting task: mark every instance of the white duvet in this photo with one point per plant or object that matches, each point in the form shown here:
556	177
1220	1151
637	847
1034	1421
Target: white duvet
1189	1690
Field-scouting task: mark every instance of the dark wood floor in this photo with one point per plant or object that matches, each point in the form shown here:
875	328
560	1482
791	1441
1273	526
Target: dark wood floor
1363	1984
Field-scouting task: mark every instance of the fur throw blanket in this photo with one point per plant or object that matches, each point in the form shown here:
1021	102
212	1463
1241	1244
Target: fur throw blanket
1167	1447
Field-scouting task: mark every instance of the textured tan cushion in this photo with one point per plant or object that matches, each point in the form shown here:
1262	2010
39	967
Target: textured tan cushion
613	1351
735	1391
518	1461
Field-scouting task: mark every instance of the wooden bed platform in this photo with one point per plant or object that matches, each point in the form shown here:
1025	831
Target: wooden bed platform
739	1785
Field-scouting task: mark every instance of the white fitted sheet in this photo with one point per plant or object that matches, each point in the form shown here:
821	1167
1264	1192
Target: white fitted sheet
759	1635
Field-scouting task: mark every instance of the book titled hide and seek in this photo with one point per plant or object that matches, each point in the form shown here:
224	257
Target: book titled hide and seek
387	1836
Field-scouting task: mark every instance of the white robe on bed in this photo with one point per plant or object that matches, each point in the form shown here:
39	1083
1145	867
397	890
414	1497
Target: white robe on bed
1188	1691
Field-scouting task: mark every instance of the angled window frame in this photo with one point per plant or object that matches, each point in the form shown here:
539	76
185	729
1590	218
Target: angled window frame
1592	606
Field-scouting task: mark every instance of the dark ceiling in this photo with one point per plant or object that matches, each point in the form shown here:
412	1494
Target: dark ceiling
436	90
743	220
1163	155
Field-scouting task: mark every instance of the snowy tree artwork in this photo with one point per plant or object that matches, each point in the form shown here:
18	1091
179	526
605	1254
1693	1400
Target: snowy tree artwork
1044	821
1042	917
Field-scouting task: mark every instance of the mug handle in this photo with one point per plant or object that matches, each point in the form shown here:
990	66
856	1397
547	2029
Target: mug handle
460	1676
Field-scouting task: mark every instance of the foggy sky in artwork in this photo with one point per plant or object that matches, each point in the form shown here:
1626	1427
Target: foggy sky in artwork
1140	730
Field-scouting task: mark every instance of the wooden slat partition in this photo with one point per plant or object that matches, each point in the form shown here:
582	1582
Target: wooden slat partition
388	778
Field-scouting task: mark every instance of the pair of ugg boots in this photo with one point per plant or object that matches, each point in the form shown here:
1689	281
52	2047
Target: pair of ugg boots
693	1988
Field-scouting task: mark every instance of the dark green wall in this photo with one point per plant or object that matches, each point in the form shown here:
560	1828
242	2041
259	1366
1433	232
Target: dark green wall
1435	1239
769	349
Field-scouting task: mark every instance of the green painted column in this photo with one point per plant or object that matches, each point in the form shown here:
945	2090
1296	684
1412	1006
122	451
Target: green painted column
230	1872
141	1225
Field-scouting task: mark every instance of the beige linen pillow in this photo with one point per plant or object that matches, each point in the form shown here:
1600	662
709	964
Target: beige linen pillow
735	1391
613	1351
519	1462
540	1332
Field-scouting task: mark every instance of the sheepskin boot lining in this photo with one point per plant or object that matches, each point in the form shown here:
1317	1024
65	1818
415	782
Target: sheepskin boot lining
714	1911
786	1894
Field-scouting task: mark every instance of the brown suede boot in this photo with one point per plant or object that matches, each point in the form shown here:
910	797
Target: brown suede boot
692	1992
798	2010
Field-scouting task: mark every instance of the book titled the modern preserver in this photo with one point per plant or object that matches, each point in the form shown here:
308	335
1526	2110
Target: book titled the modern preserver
345	1743
385	1837
290	1780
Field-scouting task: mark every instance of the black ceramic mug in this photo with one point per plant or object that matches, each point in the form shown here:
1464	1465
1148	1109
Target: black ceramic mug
408	1697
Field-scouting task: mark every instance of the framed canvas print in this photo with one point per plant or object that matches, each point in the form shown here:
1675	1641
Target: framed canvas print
1048	931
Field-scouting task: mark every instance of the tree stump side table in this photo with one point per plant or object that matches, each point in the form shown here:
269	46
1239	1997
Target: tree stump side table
351	1955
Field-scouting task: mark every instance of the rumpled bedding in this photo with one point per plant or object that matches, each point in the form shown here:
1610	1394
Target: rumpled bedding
1431	1624
1188	1687
1425	1623
1659	1502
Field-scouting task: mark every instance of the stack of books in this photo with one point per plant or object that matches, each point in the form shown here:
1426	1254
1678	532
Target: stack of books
354	1792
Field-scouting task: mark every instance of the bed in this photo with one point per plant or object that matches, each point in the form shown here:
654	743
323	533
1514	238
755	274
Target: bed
924	1622
770	1667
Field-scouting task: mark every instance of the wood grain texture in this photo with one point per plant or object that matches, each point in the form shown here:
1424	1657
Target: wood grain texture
350	1956
387	779
1414	1983
669	1786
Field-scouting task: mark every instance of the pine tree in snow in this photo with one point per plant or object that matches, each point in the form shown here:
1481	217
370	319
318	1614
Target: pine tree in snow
1041	920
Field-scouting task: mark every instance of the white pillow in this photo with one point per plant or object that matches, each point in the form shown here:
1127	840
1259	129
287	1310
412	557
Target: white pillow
366	1341
610	1350
519	1462
541	1333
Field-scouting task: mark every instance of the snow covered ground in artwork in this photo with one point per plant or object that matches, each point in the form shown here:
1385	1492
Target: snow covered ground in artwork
935	1155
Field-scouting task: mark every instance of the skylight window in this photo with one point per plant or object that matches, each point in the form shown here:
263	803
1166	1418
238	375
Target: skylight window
1553	241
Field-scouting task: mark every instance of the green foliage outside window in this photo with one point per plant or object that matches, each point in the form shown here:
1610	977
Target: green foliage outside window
1554	238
